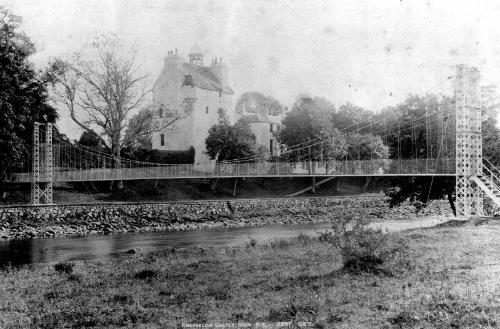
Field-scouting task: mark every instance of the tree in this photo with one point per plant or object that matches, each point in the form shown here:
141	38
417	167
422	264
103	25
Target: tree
350	115
311	119
104	90
90	140
23	95
432	138
490	105
229	142
140	130
257	103
366	147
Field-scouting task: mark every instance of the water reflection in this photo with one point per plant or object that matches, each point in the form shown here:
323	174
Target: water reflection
48	250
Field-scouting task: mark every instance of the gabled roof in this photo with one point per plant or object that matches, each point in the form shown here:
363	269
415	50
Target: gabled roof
202	77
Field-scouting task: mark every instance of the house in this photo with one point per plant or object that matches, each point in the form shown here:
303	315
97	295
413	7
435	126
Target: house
205	87
266	129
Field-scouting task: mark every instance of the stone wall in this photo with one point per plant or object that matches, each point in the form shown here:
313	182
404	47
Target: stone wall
31	221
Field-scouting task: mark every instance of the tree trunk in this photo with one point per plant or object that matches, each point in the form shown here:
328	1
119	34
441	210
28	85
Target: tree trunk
452	204
118	164
336	183
235	188
367	182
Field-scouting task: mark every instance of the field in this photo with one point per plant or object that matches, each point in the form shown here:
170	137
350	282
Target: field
443	277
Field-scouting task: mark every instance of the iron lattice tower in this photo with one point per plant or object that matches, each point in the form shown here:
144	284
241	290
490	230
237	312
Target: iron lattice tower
42	185
469	161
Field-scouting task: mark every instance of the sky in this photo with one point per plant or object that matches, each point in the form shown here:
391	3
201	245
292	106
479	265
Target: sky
370	53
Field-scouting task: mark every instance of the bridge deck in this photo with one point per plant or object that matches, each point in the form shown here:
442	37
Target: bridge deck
380	167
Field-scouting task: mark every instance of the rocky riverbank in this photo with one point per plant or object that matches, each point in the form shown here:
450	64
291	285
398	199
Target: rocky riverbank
47	221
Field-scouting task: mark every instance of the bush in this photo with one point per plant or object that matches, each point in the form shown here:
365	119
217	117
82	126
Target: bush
366	250
146	274
64	267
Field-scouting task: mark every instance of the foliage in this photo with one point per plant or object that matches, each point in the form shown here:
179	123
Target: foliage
140	130
406	142
418	127
257	103
366	250
64	267
491	134
350	115
160	156
311	119
23	94
366	147
90	140
228	142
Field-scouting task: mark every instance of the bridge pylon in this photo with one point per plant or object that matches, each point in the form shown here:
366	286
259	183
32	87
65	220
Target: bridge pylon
469	161
42	185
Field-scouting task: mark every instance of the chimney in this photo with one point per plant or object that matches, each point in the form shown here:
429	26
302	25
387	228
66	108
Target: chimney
172	59
221	71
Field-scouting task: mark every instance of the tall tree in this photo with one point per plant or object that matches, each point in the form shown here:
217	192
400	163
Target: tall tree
103	89
350	115
23	95
311	119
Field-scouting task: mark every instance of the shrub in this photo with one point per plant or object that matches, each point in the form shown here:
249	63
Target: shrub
366	250
146	274
64	267
252	242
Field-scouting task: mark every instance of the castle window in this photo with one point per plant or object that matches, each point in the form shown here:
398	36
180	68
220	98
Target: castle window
271	127
271	147
162	140
206	110
220	92
160	111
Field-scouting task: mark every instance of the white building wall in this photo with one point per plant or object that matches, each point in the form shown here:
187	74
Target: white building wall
263	133
202	121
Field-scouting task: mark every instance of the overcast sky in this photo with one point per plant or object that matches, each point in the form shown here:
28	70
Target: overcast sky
370	53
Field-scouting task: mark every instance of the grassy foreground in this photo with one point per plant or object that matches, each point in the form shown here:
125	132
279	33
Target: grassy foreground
452	280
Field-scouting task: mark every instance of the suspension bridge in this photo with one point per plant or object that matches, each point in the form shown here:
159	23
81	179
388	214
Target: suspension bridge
445	140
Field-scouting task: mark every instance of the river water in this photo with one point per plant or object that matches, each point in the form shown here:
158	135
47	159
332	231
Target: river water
95	246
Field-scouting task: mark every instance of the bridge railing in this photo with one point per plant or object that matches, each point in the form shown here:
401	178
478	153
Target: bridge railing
379	167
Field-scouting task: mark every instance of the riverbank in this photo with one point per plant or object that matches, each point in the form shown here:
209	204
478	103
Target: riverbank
450	280
46	221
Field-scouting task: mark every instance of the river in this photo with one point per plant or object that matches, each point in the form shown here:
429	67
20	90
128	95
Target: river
95	246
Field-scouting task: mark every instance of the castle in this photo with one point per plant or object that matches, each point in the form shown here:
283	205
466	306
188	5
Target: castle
207	88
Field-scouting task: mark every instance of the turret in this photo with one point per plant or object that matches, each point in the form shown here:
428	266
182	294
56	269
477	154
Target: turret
196	55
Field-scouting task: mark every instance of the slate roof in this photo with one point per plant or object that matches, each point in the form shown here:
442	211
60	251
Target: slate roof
202	77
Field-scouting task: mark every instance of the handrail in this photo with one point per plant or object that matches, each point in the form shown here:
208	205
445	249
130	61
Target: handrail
491	172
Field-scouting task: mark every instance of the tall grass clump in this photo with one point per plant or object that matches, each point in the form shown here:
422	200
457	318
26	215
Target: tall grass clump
367	250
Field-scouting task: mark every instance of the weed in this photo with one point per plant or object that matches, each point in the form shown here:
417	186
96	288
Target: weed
75	278
219	290
146	274
365	250
304	239
122	299
252	243
64	267
50	295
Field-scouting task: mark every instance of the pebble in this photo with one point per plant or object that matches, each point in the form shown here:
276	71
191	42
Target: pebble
30	222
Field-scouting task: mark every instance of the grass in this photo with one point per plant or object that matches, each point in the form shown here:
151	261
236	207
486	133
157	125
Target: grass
453	282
